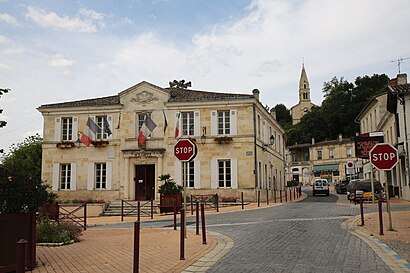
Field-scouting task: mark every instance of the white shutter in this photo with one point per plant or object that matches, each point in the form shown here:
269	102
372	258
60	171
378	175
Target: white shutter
178	114
234	173
109	175
266	134
233	117
74	133
57	129
73	176
197	173
91	132
214	123
214	174
177	172
56	176
197	123
90	176
110	121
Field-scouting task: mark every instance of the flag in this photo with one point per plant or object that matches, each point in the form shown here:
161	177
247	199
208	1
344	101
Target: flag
84	138
119	120
92	125
107	126
146	129
177	126
165	122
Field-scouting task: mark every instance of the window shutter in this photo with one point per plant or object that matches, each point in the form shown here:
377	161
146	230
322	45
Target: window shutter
73	176
178	124
56	176
233	117
177	171
74	135
214	123
197	173
110	121
234	165
92	135
214	174
109	175
197	123
90	176
57	129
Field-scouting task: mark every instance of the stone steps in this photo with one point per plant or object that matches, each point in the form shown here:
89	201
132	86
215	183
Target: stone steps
130	208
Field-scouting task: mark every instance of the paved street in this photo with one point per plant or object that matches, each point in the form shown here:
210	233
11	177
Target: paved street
304	236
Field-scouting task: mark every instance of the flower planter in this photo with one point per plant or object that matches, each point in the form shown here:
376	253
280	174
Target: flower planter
64	145
166	204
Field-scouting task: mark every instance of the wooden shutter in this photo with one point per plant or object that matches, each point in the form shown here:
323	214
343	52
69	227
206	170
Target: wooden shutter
109	175
73	176
214	123
233	117
197	123
57	129
56	177
234	172
74	133
197	173
214	174
110	122
90	176
177	172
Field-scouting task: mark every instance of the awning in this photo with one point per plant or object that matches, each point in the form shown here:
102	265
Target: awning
326	168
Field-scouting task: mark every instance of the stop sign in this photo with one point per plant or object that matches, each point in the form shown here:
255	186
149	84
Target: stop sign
185	150
384	156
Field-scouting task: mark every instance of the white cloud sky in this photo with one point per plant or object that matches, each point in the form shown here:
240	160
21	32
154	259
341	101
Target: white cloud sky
66	50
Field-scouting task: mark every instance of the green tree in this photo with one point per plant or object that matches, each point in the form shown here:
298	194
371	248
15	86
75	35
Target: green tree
283	115
2	122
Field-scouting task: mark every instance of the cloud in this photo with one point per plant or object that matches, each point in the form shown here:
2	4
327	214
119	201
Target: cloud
3	39
4	66
86	20
61	63
14	50
4	17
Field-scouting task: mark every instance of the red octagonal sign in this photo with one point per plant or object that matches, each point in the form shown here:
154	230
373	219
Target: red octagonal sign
185	150
384	156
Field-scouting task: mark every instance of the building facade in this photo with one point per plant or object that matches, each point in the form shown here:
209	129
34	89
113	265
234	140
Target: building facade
240	144
305	103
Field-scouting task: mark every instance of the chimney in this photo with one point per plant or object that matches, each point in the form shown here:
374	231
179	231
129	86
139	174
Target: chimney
401	79
313	141
340	137
255	93
273	113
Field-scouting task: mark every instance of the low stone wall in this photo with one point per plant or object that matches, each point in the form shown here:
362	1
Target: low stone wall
93	210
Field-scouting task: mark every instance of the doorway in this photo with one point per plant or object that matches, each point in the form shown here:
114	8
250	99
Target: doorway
144	182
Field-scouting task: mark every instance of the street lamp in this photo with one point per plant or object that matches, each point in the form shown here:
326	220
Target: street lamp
203	137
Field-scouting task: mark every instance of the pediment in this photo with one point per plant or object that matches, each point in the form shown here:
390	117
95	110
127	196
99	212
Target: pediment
143	95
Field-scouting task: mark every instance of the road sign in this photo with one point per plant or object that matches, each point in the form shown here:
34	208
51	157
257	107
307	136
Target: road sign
350	167
185	150
384	156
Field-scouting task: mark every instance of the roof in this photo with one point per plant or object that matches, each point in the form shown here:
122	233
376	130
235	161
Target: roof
400	89
177	95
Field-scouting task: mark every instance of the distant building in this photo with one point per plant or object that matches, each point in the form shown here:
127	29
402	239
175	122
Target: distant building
305	103
240	144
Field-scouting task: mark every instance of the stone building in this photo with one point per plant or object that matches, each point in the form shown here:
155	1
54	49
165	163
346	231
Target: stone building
240	144
305	104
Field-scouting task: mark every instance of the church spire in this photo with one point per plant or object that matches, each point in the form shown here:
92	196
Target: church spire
304	89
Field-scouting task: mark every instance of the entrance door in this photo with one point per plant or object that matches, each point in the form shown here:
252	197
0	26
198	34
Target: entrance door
144	182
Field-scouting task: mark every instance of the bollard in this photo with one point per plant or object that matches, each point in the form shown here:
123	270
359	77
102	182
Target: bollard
280	195
217	202
355	198
361	210
122	210
294	193
136	247
192	206
381	216
197	217
182	236
259	198
21	256
85	216
274	195
242	199
290	194
138	210
267	197
286	195
152	208
175	214
203	224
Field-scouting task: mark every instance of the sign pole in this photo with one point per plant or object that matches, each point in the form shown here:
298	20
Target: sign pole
388	203
184	179
372	182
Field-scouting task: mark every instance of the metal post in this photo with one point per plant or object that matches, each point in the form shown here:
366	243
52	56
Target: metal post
381	216
85	216
152	208
388	206
175	214
267	197
203	224
259	198
290	194
280	195
197	217
355	197
242	199
286	195
361	210
192	206
182	236
122	210
136	247
217	202
138	210
21	256
274	195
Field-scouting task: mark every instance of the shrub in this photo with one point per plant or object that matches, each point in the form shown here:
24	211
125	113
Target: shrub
169	187
54	232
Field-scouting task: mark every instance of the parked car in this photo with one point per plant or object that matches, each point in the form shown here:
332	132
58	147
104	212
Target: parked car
320	186
362	187
341	186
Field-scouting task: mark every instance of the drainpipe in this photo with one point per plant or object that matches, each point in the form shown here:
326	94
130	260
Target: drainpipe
254	147
406	140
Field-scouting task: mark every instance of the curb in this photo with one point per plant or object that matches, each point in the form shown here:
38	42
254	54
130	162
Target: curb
386	253
208	260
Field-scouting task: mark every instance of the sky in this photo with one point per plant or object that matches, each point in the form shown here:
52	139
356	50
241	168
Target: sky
57	51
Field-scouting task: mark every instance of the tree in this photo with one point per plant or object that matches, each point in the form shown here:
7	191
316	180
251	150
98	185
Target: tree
283	116
2	122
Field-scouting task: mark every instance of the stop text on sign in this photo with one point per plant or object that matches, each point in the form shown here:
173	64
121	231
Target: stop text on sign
383	156
183	150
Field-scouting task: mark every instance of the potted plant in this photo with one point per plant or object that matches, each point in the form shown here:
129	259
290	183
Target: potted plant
170	192
223	139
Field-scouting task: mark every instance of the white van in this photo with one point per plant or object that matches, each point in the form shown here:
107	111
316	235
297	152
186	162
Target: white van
320	186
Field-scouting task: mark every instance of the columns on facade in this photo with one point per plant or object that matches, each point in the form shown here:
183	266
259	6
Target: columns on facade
127	178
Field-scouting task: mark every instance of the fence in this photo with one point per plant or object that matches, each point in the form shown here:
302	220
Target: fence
138	208
210	201
60	213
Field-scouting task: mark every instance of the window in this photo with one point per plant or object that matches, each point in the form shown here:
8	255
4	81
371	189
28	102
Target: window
224	173
188	174
331	154
141	119
66	129
102	122
349	152
100	175
319	155
224	123
188	123
65	176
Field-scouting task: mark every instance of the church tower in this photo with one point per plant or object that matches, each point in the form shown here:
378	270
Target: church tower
305	104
